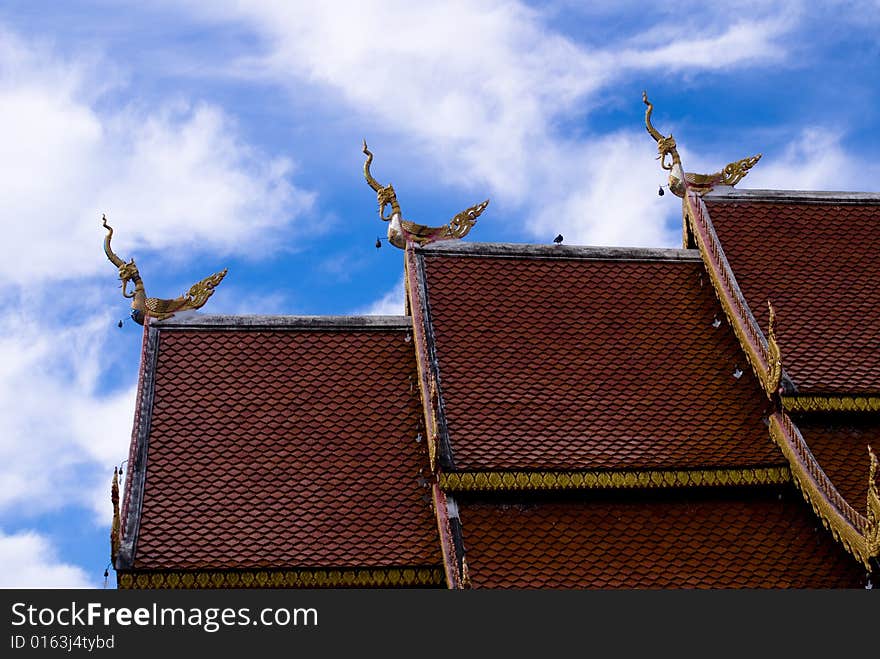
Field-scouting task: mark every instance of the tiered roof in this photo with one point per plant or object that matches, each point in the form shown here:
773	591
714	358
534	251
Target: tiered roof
543	416
814	256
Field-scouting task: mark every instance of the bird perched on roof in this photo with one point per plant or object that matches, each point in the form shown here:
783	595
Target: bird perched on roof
558	239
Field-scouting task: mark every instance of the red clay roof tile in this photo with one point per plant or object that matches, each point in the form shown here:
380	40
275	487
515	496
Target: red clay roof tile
687	539
817	263
285	449
588	364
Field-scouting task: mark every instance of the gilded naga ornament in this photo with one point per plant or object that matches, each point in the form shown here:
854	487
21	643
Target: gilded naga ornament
115	525
774	356
679	180
401	231
143	306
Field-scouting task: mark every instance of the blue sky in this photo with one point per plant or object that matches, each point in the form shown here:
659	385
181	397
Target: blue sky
221	134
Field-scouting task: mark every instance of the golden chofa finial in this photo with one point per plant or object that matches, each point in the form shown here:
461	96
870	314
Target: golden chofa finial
665	145
143	306
401	231
384	193
680	181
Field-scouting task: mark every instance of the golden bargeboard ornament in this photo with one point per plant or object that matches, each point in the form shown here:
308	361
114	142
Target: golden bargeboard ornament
143	306
115	525
732	173
872	532
774	355
401	231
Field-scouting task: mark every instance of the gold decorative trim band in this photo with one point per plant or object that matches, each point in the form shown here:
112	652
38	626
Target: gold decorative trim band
831	403
846	525
470	481
343	578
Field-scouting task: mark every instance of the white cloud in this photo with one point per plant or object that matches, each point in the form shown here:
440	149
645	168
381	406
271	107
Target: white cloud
479	88
30	561
607	195
390	304
59	437
814	160
177	175
746	42
237	300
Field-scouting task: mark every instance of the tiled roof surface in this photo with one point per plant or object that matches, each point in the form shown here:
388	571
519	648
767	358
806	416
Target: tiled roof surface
818	265
588	364
840	445
285	449
748	539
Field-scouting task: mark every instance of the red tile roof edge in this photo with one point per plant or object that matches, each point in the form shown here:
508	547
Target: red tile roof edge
439	447
137	457
450	539
848	526
126	495
763	355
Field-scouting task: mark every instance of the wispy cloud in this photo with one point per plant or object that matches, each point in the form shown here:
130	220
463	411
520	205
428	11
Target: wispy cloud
746	42
480	89
175	176
814	160
53	450
178	175
390	304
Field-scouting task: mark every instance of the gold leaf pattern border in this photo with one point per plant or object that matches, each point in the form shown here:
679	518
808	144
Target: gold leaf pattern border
831	403
312	578
586	480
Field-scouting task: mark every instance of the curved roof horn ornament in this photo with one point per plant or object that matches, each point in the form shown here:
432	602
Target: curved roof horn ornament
143	306
401	231
679	180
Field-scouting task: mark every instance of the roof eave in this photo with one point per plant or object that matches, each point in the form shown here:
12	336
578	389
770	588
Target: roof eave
526	251
137	464
730	194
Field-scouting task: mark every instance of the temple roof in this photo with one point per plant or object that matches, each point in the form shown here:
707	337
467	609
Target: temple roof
543	416
283	442
577	358
814	256
753	538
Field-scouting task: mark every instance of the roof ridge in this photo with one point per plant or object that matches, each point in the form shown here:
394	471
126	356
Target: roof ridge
536	250
281	322
793	196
